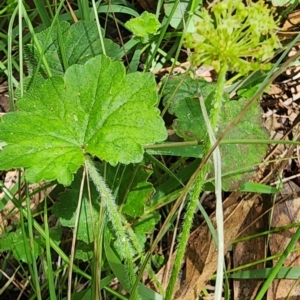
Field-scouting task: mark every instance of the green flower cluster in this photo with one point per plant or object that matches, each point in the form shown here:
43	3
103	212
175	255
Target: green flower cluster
238	35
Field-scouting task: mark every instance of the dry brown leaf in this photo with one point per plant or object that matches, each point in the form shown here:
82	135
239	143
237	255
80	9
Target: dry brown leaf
274	90
9	213
250	251
293	20
201	266
285	212
201	253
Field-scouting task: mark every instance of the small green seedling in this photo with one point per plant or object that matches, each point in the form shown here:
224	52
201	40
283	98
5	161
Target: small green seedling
144	26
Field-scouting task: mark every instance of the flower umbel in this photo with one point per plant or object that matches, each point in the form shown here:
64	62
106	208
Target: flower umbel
237	35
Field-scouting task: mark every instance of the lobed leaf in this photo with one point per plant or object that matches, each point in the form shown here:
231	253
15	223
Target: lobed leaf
190	125
143	26
75	43
180	97
235	157
94	109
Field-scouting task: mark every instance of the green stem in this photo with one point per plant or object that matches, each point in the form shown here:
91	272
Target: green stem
217	105
184	236
99	27
188	220
212	128
115	218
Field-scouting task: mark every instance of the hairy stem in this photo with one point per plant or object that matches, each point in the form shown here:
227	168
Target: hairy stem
212	125
184	236
115	218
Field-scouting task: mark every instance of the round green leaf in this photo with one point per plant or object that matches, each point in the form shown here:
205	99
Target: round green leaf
237	159
95	108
